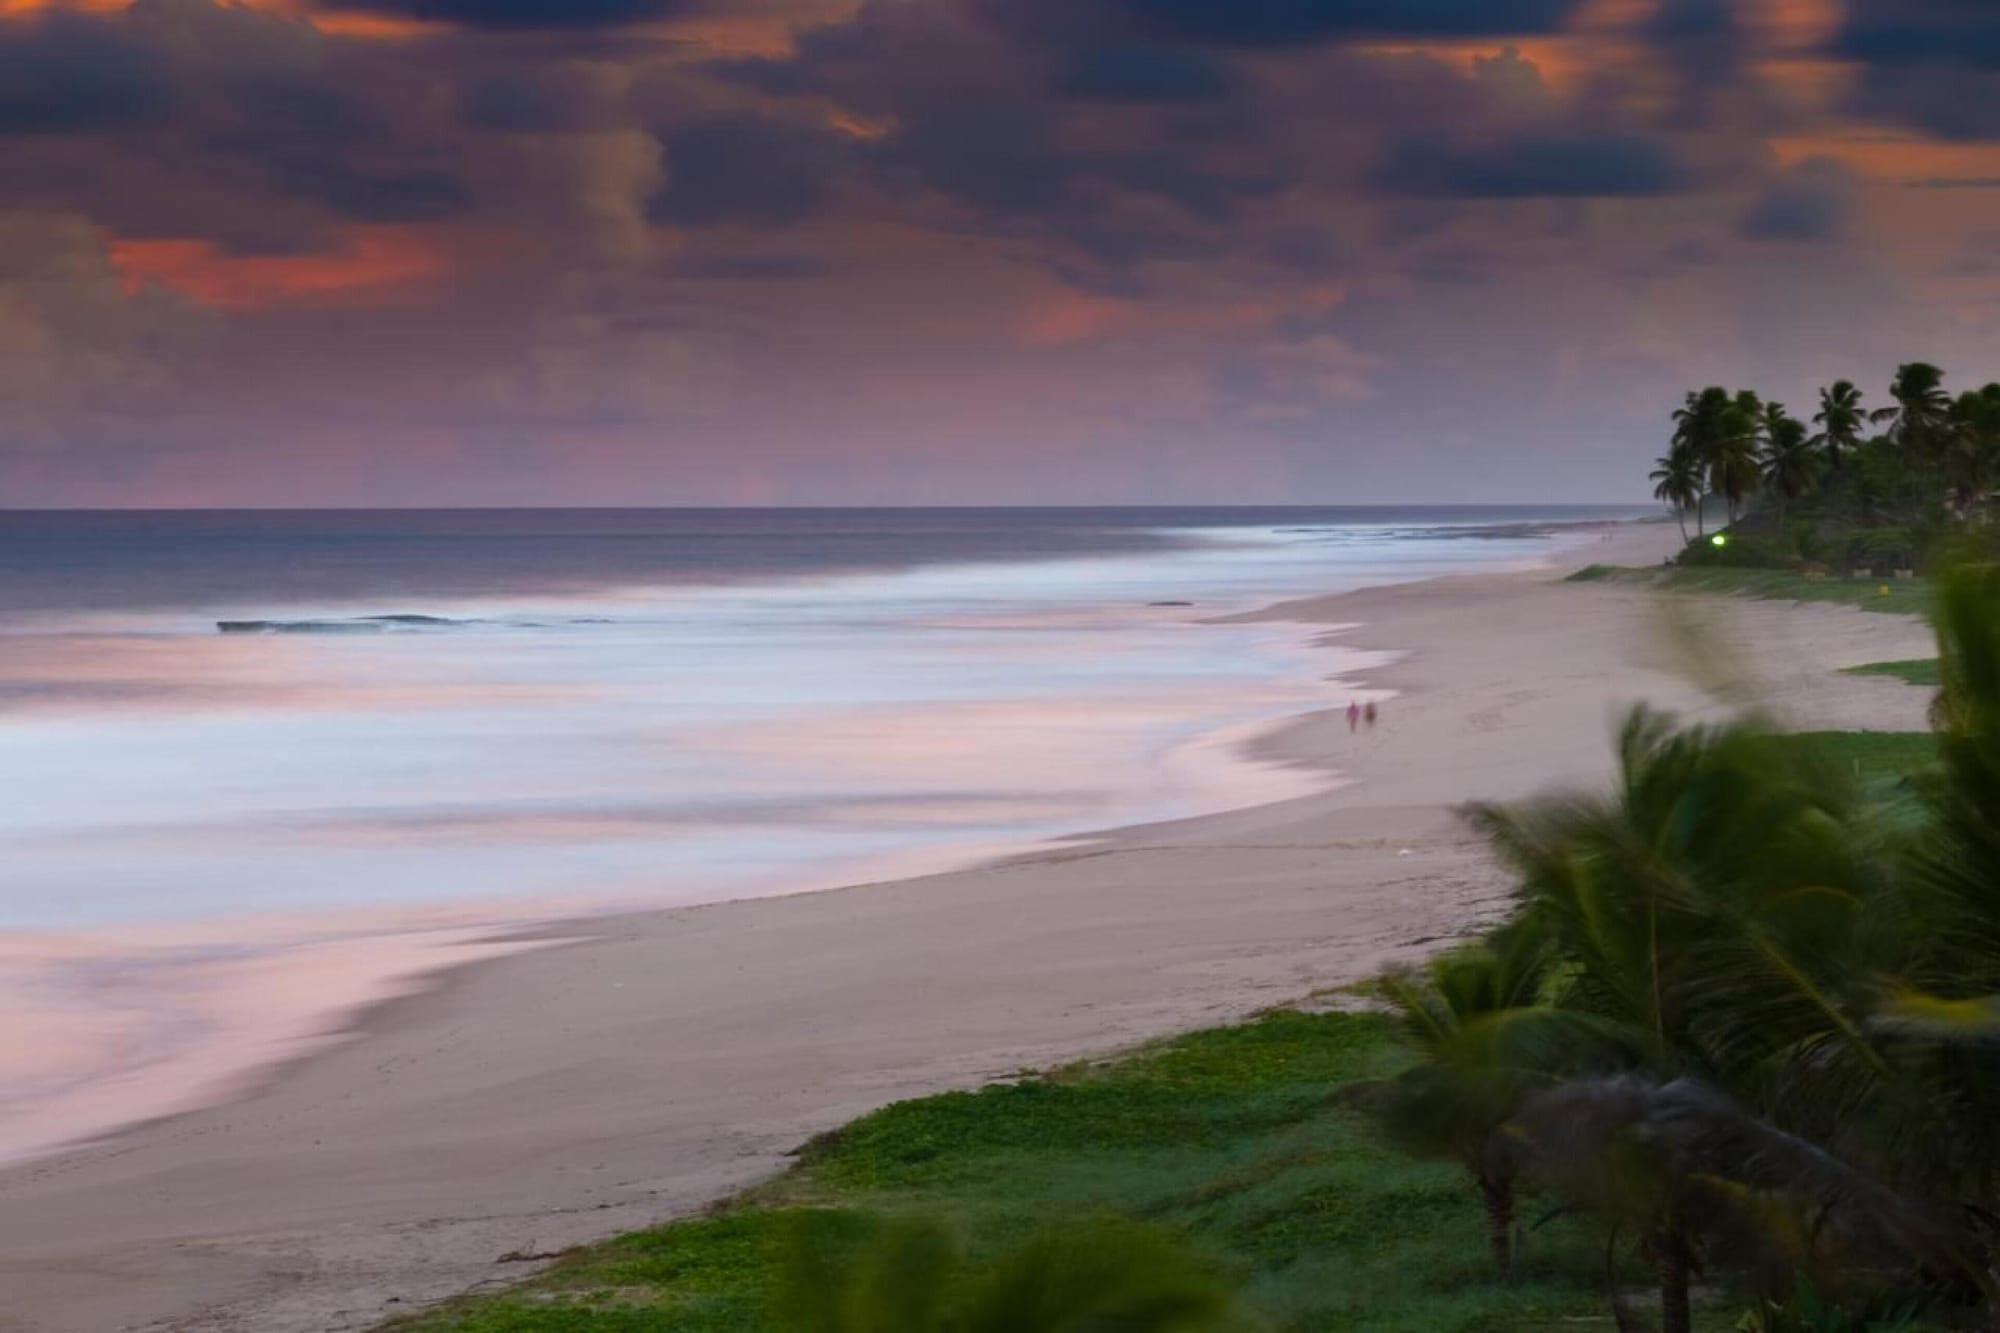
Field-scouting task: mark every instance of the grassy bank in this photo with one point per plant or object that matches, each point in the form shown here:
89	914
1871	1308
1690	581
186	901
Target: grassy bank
1916	671
1900	597
1233	1138
1872	757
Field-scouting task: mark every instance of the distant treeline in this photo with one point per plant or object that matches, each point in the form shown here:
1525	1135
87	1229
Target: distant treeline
1856	487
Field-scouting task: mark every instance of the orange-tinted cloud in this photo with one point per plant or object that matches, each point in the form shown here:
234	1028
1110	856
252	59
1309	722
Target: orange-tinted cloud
372	266
1895	157
377	26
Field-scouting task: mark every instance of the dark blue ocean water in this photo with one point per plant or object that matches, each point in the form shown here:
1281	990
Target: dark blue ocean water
124	559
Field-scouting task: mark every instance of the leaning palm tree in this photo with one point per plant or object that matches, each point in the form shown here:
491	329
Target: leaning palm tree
1477	1018
1787	464
1677	481
1920	419
1710	918
847	1274
1840	419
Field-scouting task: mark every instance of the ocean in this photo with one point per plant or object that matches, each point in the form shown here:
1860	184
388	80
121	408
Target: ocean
263	766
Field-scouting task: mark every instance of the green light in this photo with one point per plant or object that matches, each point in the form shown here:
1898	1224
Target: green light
1718	539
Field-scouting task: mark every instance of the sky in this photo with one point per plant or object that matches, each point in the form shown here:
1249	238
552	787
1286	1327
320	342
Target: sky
525	252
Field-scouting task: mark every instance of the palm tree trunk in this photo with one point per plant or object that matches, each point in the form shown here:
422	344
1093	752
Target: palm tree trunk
1700	502
1671	1258
1497	1194
1681	518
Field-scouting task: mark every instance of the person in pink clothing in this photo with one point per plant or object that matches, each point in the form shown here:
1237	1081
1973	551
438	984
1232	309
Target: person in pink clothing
1353	715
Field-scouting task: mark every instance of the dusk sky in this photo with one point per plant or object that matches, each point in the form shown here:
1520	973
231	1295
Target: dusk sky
357	252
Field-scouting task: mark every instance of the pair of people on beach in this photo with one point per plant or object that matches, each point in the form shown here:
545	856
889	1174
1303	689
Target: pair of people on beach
1356	713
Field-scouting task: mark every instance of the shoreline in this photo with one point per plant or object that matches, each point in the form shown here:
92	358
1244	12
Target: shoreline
587	1138
332	966
352	961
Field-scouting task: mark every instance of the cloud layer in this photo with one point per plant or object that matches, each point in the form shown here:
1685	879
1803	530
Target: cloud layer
782	251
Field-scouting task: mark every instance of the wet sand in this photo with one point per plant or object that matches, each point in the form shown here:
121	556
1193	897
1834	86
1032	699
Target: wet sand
649	1063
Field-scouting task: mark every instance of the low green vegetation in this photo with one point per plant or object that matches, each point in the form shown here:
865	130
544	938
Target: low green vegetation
1240	1141
1891	595
1916	671
1869	757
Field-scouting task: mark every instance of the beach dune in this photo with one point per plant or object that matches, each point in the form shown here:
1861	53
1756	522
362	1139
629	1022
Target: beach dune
645	1064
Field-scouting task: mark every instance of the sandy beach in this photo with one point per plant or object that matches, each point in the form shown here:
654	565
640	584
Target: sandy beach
646	1064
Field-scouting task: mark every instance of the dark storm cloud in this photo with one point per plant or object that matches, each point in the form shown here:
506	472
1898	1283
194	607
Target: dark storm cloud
1274	23
1704	39
1129	73
1934	64
186	118
1534	166
1285	22
412	196
68	73
520	14
744	169
1921	32
994	158
532	102
1009	124
1949	101
1812	202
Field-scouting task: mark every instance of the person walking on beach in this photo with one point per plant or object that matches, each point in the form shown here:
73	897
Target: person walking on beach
1353	715
1369	714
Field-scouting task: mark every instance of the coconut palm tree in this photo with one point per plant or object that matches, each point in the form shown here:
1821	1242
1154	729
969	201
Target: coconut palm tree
1677	480
1787	464
1708	920
1700	425
1920	418
1476	1017
1732	456
1972	448
1840	419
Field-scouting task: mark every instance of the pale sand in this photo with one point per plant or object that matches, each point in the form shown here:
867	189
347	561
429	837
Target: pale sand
558	1095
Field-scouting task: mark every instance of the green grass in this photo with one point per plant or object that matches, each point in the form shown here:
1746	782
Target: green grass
1230	1138
1896	596
1880	760
1916	671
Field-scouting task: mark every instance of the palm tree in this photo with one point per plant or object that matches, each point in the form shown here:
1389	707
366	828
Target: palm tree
1972	449
1476	1018
1709	921
1920	418
1840	419
1732	460
1699	427
1788	462
1677	481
